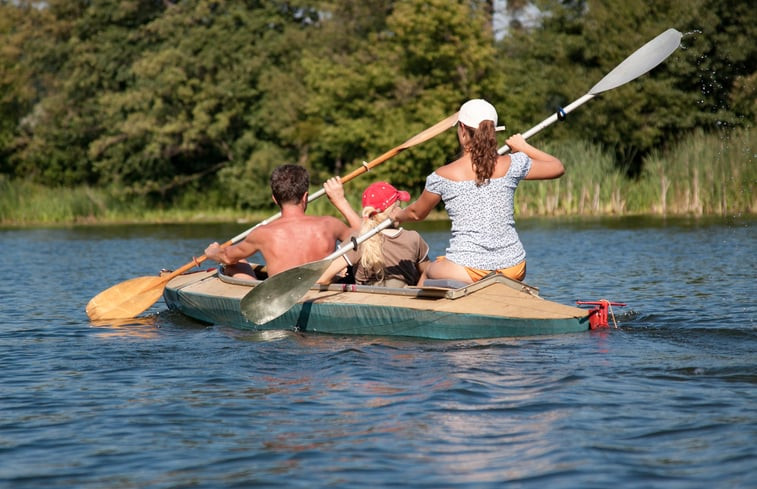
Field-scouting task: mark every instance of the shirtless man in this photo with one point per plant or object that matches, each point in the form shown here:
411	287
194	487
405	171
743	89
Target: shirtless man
295	238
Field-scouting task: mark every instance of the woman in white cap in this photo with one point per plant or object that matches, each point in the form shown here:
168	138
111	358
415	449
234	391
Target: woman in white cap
478	190
392	258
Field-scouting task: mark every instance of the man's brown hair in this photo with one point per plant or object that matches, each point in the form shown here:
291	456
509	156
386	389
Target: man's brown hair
289	183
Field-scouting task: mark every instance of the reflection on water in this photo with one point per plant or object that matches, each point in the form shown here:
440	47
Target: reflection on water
141	327
667	400
255	336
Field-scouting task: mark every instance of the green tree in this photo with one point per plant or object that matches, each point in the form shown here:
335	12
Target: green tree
388	70
80	50
274	129
719	64
16	77
198	103
202	98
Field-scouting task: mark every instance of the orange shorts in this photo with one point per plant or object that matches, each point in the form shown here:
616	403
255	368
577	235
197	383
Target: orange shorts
517	272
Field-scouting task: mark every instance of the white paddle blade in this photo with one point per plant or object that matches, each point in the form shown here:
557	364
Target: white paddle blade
276	295
641	61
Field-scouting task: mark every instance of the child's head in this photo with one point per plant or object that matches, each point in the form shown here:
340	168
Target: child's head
380	196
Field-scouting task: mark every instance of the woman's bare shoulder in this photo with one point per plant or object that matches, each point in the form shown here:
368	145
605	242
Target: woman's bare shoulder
503	166
457	170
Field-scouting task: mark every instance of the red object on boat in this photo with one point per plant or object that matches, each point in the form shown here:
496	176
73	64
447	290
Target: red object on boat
598	316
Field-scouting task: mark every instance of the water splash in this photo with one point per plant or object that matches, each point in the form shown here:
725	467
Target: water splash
689	34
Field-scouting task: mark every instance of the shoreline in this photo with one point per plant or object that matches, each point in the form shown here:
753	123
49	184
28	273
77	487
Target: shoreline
435	219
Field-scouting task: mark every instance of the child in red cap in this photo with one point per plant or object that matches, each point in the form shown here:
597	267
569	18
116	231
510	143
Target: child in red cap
392	258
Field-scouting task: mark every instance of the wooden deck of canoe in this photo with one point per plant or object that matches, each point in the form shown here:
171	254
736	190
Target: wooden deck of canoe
491	308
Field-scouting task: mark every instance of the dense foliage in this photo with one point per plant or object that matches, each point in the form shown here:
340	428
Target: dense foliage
200	99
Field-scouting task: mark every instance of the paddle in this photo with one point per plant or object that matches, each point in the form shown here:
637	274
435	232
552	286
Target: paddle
276	295
641	61
132	297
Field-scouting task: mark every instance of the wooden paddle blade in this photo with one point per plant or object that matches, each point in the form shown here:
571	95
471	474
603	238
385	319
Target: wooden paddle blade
279	293
127	299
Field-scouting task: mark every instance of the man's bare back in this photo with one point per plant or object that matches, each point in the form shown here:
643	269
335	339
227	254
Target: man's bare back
292	241
295	238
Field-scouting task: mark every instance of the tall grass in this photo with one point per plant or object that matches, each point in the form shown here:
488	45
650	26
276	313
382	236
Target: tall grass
590	186
27	203
704	174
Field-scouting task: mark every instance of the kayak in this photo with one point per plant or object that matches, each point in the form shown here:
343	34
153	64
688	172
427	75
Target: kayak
493	307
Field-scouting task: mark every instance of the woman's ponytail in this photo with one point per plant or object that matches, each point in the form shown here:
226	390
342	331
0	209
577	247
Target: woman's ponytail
483	150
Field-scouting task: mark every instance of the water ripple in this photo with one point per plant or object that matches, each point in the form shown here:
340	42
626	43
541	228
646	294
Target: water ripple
667	400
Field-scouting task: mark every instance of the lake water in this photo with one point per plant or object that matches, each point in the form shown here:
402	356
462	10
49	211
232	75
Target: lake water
666	400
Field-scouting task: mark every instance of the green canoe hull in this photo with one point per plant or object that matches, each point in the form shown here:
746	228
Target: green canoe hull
489	311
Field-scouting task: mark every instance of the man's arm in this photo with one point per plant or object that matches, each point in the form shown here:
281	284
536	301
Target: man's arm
418	210
232	254
335	192
341	231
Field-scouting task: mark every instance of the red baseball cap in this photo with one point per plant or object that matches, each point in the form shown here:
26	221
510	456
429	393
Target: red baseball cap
381	195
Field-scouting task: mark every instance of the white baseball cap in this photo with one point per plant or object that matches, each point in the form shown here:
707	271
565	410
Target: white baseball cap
476	110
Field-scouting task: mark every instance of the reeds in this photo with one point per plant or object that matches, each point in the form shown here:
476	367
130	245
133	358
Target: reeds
703	174
712	174
590	186
24	202
27	203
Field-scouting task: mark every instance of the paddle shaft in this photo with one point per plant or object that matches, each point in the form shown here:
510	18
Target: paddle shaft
640	62
421	137
353	244
549	120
